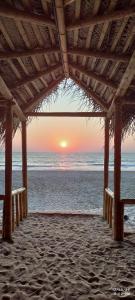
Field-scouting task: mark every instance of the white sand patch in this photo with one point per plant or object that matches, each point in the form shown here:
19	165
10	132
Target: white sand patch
66	258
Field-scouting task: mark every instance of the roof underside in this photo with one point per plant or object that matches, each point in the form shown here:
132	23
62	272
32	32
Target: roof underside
44	41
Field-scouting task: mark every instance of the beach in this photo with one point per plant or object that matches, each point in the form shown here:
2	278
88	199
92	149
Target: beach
66	258
71	190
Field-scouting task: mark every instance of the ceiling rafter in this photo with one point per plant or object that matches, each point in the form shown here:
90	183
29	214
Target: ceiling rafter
27	52
76	31
95	76
35	76
93	20
40	96
62	34
90	93
99	54
22	15
8	96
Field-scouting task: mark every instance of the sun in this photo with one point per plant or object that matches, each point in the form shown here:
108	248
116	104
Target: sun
63	144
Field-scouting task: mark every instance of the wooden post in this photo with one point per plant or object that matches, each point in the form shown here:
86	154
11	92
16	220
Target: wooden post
7	212
17	210
24	163
106	163
118	207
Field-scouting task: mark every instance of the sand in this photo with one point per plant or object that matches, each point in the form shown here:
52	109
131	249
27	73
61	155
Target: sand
66	258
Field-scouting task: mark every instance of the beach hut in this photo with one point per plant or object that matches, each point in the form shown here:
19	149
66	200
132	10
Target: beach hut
43	42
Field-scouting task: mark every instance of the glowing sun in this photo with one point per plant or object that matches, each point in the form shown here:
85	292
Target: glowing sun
63	144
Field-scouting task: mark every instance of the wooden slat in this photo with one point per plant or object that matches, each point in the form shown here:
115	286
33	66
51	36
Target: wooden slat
35	76
67	114
93	75
62	34
99	54
106	160
44	93
27	52
21	15
128	201
18	191
89	92
116	15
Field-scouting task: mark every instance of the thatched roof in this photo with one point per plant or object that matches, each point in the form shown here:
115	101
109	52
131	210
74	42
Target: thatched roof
90	41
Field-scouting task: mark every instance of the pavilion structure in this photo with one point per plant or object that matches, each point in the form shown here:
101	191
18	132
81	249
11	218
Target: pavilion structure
43	42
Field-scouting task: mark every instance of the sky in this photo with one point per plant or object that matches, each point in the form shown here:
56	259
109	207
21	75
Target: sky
49	134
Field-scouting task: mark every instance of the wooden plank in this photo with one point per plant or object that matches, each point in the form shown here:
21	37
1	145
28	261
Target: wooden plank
17	210
118	226
27	52
7	210
23	15
24	165
62	34
66	114
89	92
93	20
44	93
128	201
99	54
94	75
35	76
106	160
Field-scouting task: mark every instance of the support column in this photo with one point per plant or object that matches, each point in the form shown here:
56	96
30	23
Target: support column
118	230
106	161
24	163
7	211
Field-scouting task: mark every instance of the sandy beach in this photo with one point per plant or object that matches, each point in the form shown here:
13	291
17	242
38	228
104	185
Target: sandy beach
66	258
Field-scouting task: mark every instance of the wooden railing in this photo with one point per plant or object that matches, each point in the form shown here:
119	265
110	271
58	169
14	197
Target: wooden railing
108	206
19	209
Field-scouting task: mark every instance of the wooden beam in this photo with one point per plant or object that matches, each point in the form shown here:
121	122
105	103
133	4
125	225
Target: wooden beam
22	15
67	114
99	54
28	52
35	76
62	34
118	230
106	160
93	75
24	163
42	95
7	211
89	92
93	20
8	96
125	83
128	201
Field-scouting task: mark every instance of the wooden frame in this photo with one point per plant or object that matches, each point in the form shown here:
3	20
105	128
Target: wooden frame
21	15
28	52
66	114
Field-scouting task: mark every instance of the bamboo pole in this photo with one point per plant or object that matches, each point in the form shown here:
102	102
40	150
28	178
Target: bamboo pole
106	162
24	164
118	206
7	212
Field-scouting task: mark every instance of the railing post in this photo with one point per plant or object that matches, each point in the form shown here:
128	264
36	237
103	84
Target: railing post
7	211
118	230
106	163
24	164
17	210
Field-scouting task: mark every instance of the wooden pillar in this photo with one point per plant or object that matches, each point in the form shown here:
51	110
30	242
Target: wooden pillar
24	163
118	207
7	211
106	161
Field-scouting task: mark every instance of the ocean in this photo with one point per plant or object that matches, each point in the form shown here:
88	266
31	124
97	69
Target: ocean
70	181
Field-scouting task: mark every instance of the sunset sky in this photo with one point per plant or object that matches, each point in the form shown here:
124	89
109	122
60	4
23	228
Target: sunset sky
67	134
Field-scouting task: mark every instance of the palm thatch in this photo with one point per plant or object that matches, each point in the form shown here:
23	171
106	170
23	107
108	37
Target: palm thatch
45	41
